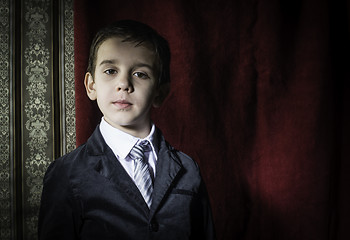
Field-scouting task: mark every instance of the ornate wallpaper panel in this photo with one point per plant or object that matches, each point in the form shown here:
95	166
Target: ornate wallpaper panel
38	96
37	128
68	96
6	159
37	105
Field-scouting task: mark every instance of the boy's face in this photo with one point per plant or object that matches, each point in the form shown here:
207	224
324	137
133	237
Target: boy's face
125	85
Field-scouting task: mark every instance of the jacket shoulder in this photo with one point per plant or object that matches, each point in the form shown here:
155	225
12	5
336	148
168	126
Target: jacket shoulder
81	158
183	159
62	166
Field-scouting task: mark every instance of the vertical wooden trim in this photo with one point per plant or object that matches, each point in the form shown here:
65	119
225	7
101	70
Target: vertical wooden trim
56	70
16	118
17	110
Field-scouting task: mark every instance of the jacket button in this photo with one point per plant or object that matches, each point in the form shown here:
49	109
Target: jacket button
154	226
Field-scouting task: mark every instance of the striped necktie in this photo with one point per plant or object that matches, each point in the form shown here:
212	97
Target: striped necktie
142	175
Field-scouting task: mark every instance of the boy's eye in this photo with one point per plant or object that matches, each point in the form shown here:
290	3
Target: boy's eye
110	71
141	75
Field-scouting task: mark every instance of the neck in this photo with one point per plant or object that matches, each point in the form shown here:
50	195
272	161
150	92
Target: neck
139	131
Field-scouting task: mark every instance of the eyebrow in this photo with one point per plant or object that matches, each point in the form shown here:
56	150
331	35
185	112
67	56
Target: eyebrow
108	61
113	61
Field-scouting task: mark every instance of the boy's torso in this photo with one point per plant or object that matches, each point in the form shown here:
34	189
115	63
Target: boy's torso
111	205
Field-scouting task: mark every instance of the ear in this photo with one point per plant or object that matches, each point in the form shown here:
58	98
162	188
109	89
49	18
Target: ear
162	93
90	86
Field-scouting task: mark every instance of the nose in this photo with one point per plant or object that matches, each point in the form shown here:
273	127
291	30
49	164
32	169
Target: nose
124	84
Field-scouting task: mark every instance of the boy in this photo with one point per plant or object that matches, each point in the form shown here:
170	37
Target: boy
126	181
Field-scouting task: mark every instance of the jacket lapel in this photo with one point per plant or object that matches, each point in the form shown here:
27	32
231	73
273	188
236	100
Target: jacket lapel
108	166
168	167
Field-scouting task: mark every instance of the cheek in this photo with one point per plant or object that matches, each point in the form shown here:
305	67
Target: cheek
151	94
104	90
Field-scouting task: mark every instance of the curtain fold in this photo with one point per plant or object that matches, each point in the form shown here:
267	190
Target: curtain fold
258	98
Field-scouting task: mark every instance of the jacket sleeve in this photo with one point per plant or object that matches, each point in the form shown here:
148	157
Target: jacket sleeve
203	219
59	209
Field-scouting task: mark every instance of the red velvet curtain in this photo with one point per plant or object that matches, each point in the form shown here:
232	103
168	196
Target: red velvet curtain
259	98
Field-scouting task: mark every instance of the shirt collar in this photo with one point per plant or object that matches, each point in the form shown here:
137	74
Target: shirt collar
121	142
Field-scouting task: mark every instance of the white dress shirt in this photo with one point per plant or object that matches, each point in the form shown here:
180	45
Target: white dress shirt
121	144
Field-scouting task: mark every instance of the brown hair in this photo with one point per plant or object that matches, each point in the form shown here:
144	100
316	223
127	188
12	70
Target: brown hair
138	33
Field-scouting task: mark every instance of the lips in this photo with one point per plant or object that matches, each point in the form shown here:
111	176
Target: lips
122	104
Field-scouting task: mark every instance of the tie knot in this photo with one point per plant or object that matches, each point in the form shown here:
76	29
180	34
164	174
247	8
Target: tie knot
138	150
145	145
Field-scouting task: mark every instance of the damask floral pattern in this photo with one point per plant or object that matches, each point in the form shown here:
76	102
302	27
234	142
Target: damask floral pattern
5	140
38	129
68	69
36	106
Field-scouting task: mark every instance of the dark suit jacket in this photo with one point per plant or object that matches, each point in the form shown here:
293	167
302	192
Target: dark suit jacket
87	194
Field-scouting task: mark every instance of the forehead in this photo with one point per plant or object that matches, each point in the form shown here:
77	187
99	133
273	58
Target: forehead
125	51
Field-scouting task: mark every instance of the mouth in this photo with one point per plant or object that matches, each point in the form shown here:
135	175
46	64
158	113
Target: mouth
122	104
